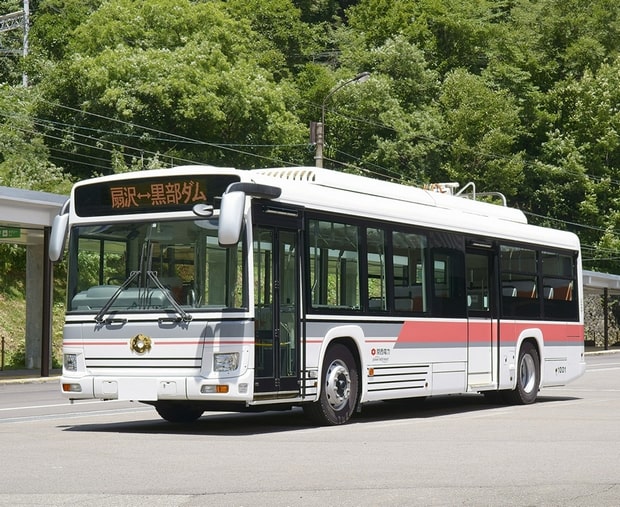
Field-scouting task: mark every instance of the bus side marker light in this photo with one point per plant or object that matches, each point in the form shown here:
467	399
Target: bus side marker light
371	372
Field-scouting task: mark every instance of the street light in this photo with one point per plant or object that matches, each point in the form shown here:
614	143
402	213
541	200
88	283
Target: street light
319	128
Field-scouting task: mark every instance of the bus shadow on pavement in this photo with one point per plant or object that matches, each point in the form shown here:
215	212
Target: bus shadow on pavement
256	423
437	406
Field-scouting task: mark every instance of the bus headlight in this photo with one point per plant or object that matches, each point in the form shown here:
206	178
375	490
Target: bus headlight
226	362
70	362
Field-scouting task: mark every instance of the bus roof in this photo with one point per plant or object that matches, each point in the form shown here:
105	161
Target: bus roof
396	191
413	205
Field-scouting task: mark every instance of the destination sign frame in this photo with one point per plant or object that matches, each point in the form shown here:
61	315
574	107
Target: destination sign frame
150	195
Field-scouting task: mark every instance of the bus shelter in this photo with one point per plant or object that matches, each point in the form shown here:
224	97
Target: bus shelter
604	285
26	217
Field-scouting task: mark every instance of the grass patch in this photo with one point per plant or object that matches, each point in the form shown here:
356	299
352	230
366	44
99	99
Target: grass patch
13	331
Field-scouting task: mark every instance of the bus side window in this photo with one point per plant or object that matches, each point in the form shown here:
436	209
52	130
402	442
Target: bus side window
409	272
559	277
519	281
376	266
333	254
448	283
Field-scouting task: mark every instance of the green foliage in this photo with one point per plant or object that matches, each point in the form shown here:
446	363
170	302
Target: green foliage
23	152
481	126
11	46
176	67
279	22
55	22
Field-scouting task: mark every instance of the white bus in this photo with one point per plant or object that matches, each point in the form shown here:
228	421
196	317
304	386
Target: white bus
199	288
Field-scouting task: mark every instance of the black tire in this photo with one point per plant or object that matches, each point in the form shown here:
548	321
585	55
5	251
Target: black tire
178	412
339	388
528	377
495	397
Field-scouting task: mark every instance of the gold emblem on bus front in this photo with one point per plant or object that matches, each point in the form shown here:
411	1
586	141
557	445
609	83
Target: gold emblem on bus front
140	343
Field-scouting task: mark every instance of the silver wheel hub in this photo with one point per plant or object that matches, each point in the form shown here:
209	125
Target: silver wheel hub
337	384
527	373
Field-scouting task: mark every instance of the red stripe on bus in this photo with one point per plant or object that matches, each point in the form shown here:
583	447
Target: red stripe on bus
422	331
455	332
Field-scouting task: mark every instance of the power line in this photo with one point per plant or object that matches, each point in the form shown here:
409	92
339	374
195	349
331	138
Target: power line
358	164
172	135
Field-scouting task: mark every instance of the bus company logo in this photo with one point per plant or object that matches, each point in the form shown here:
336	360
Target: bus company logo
140	343
380	354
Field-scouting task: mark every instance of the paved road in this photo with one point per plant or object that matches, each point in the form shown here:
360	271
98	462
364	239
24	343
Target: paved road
449	451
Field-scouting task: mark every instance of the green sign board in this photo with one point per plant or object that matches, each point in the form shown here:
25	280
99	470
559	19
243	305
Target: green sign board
10	232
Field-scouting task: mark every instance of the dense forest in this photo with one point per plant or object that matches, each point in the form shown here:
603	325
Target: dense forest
518	96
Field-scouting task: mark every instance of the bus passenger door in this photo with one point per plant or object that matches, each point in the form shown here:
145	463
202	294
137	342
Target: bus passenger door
276	297
482	324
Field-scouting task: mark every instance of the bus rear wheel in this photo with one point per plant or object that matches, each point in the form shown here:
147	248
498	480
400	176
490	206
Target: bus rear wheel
178	412
339	388
528	377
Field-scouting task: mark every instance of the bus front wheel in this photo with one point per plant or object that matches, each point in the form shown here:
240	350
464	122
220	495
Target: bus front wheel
528	377
178	412
339	388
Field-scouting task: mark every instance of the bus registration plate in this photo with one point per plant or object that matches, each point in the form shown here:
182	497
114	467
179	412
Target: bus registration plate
142	389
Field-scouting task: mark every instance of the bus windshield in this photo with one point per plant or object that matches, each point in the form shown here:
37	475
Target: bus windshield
172	266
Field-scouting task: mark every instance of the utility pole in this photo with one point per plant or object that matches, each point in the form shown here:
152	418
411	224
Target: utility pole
317	129
318	140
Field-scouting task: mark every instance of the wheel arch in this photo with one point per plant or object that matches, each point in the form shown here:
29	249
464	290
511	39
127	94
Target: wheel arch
351	337
536	338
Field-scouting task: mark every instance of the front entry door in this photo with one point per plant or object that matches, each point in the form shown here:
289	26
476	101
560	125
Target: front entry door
482	324
276	293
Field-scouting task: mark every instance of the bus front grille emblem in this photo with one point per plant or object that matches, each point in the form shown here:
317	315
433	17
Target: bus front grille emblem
140	343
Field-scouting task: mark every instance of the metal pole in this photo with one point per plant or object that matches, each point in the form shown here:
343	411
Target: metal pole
26	31
606	318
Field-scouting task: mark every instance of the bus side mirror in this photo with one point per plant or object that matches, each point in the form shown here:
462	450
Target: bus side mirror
58	237
231	218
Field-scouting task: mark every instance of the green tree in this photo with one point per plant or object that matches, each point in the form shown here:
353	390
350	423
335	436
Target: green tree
23	154
390	124
11	46
280	23
452	33
481	127
182	81
54	22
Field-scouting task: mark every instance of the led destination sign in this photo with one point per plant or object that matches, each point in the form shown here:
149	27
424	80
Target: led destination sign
150	195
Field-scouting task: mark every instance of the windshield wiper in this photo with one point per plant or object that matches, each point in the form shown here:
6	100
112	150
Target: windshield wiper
186	317
152	275
99	317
